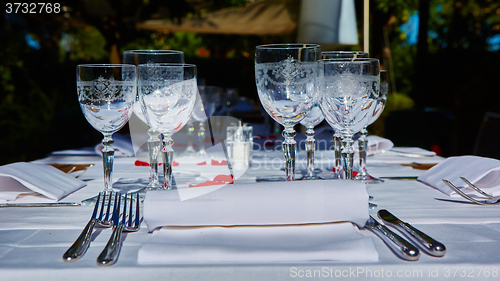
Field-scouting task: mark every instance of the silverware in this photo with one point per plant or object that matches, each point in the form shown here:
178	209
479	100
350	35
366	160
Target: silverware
400	178
84	170
426	243
80	246
488	201
110	253
398	245
56	204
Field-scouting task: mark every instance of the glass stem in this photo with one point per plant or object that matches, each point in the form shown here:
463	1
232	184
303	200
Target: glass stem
289	150
168	153
337	148
190	148
310	147
347	156
362	145
107	161
201	138
154	145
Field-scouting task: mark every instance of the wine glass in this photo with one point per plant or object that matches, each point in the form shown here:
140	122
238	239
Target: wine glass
349	93
312	119
286	77
363	140
209	97
106	93
137	57
167	93
343	54
339	170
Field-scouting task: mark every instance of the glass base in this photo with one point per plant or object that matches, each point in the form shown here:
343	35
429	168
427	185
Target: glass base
368	179
277	178
130	196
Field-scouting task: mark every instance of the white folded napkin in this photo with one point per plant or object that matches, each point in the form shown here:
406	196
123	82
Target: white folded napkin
35	183
122	146
376	144
257	244
413	152
270	203
481	171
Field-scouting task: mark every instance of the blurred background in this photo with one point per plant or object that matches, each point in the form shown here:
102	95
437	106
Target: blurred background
443	57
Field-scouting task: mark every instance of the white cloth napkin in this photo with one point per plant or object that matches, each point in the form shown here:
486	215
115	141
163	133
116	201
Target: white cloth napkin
35	183
481	171
257	244
413	152
376	144
273	203
122	146
270	222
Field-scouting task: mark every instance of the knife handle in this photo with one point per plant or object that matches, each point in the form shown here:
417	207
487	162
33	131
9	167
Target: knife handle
78	249
429	245
398	245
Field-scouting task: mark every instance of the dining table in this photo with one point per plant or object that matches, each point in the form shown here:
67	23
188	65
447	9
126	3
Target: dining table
33	239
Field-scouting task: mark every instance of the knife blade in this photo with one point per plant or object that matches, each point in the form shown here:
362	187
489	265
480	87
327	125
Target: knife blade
426	243
398	245
28	205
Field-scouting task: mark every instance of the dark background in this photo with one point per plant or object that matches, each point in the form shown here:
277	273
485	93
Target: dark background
443	85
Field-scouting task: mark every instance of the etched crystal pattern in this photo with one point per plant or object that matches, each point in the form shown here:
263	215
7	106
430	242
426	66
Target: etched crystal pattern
106	103
349	101
287	89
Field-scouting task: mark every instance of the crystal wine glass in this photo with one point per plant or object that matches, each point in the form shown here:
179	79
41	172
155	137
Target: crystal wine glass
349	93
339	170
363	140
106	93
312	119
286	77
167	93
137	57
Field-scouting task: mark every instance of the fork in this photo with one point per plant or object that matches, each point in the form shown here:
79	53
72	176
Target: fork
80	246
490	200
110	253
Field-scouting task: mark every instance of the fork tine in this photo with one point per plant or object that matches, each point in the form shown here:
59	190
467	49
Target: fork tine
461	193
476	188
137	212
124	215
130	211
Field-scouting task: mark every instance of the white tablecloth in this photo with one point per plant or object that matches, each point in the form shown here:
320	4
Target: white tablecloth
32	240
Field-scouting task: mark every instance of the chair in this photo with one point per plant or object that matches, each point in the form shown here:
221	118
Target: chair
488	139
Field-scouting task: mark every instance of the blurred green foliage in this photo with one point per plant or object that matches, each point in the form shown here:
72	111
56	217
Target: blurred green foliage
83	44
26	110
188	42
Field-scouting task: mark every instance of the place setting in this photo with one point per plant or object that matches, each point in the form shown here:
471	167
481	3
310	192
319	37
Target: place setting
193	210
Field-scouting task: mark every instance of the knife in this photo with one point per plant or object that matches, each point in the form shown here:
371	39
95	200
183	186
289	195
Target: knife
426	243
398	245
51	204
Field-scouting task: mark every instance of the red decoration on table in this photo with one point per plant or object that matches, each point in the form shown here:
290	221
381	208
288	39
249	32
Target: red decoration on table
354	173
217	163
268	143
218	180
202	163
143	163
